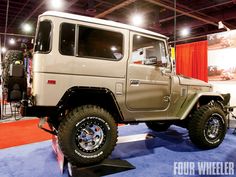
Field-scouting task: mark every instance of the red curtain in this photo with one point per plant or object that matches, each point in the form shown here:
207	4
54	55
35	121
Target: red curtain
191	60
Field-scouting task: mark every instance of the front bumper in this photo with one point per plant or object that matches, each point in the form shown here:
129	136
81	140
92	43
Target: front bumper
226	99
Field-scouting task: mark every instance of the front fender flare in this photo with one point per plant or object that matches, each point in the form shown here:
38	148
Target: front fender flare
190	103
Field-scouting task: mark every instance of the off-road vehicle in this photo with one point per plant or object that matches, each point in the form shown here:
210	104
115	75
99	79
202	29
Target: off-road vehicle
91	74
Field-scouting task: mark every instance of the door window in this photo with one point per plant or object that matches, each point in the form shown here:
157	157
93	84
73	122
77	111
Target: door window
148	51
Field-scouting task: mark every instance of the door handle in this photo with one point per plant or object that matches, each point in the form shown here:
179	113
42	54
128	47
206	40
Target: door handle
166	99
134	82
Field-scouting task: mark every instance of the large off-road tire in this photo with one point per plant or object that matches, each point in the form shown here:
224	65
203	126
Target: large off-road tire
87	135
207	126
158	126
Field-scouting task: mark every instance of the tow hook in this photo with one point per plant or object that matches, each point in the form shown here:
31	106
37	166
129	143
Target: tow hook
42	121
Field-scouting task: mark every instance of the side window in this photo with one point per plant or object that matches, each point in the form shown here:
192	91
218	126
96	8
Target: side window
148	51
97	43
67	39
43	37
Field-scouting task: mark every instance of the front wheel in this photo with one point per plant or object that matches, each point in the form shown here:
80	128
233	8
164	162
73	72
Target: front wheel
207	127
87	135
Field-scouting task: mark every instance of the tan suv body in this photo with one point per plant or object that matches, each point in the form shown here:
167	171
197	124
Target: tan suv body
90	74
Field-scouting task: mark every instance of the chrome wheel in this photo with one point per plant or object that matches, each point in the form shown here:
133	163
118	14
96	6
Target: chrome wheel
87	135
90	135
213	127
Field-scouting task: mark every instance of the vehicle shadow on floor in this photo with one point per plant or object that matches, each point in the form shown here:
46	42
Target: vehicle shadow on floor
174	139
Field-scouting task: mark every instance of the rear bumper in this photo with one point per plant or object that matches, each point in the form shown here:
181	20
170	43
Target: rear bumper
38	111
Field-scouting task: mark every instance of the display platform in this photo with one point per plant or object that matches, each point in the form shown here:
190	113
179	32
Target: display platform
154	157
106	167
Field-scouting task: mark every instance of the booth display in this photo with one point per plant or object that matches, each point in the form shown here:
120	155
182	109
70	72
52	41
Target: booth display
221	49
14	84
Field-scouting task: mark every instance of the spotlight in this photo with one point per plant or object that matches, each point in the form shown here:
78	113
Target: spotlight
137	19
185	32
222	25
56	4
3	49
12	41
27	28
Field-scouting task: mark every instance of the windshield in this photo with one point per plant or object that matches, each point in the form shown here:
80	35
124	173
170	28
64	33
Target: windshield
42	43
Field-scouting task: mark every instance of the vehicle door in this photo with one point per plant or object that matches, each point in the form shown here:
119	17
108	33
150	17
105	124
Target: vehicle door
148	87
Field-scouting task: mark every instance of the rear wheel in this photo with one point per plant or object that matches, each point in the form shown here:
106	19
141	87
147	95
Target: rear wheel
87	135
158	126
207	126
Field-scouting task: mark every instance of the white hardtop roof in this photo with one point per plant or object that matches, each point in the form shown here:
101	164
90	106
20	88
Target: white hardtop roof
100	21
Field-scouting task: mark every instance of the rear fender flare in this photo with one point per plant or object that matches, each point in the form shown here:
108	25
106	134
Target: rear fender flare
76	92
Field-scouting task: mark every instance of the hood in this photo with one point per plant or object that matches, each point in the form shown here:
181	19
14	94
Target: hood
192	82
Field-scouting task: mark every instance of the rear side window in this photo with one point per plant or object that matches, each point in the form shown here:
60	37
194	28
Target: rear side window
43	39
98	43
67	39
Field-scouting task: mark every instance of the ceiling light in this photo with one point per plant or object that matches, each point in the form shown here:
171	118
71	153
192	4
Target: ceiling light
12	41
113	48
185	32
27	28
3	49
137	19
56	4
